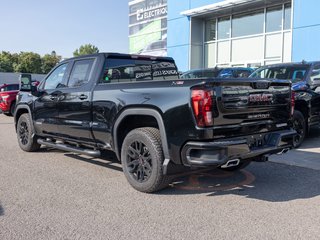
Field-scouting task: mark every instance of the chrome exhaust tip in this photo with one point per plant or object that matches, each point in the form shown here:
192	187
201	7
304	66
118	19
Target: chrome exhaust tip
285	150
231	163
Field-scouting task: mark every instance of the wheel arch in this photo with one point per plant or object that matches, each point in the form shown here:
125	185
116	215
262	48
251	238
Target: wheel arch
140	112
21	109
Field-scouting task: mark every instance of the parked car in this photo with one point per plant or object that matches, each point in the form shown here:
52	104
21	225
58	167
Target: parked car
305	77
8	93
235	72
155	123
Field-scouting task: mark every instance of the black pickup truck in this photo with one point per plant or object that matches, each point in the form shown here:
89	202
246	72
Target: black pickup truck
305	78
155	123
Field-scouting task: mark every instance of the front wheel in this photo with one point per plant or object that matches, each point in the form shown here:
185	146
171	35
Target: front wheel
26	138
142	160
299	124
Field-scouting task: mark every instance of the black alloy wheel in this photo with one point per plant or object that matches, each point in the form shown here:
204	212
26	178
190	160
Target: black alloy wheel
142	160
26	137
139	161
299	124
23	133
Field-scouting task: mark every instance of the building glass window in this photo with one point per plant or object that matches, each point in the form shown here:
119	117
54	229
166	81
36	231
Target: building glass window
224	28
274	19
248	24
210	30
287	17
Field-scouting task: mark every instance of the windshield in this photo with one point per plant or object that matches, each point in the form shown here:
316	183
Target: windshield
205	73
293	73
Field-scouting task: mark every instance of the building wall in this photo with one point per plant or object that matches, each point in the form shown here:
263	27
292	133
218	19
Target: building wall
178	44
306	30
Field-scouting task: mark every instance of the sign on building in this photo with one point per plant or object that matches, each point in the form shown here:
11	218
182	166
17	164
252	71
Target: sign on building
148	27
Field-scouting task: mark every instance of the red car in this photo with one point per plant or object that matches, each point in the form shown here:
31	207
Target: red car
8	93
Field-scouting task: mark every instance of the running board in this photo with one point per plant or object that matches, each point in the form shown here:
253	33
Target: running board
69	148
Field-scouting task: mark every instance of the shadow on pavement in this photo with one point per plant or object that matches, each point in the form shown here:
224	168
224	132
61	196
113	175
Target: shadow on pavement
264	181
106	160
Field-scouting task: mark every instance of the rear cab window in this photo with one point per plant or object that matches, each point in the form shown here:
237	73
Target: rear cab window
117	70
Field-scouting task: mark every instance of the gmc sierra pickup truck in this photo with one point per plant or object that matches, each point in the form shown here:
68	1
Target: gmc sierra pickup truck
155	123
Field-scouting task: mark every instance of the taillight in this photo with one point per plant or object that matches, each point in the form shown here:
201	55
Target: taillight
293	103
202	105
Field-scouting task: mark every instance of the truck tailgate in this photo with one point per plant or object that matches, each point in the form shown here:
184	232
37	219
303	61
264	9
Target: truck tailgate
249	106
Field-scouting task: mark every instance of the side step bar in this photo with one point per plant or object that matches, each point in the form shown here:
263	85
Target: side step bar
69	148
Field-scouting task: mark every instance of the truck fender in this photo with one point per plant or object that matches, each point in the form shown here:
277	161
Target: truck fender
148	112
25	108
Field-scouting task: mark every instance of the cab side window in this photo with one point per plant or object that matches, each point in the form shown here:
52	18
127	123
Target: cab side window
55	79
80	73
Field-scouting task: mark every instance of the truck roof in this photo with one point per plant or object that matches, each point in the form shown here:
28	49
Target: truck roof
303	63
123	55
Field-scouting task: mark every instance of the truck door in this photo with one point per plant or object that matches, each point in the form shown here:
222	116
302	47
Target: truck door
74	103
45	106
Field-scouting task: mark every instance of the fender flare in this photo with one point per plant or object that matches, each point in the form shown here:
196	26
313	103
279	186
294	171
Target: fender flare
148	112
24	107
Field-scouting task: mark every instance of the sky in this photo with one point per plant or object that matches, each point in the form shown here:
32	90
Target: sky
43	26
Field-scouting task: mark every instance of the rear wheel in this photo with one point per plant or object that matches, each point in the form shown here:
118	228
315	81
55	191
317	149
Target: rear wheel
299	124
142	160
26	138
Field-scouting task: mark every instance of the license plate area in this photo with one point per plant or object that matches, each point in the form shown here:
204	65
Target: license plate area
256	141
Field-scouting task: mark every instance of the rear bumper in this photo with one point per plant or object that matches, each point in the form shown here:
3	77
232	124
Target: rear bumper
219	152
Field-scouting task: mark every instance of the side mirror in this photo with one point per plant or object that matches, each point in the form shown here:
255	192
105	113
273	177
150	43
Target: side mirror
27	85
25	82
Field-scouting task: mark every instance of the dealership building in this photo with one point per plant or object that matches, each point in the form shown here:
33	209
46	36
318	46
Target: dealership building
251	33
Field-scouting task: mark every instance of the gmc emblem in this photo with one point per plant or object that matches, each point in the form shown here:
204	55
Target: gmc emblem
253	98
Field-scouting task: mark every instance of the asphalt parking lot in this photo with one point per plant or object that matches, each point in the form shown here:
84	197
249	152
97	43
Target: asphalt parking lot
57	195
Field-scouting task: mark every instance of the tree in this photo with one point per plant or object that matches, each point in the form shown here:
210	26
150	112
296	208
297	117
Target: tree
28	62
7	61
85	49
49	61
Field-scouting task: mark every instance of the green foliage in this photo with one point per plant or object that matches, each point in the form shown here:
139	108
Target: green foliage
7	60
49	61
85	50
28	62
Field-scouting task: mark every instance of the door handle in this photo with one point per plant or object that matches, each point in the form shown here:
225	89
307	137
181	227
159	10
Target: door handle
83	97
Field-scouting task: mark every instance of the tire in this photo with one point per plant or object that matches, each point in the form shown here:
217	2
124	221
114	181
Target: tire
26	138
299	124
241	165
12	108
142	160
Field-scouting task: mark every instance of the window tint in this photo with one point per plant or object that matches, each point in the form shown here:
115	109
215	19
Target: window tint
130	70
224	28
210	30
56	77
274	19
248	24
11	88
287	16
80	73
295	74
